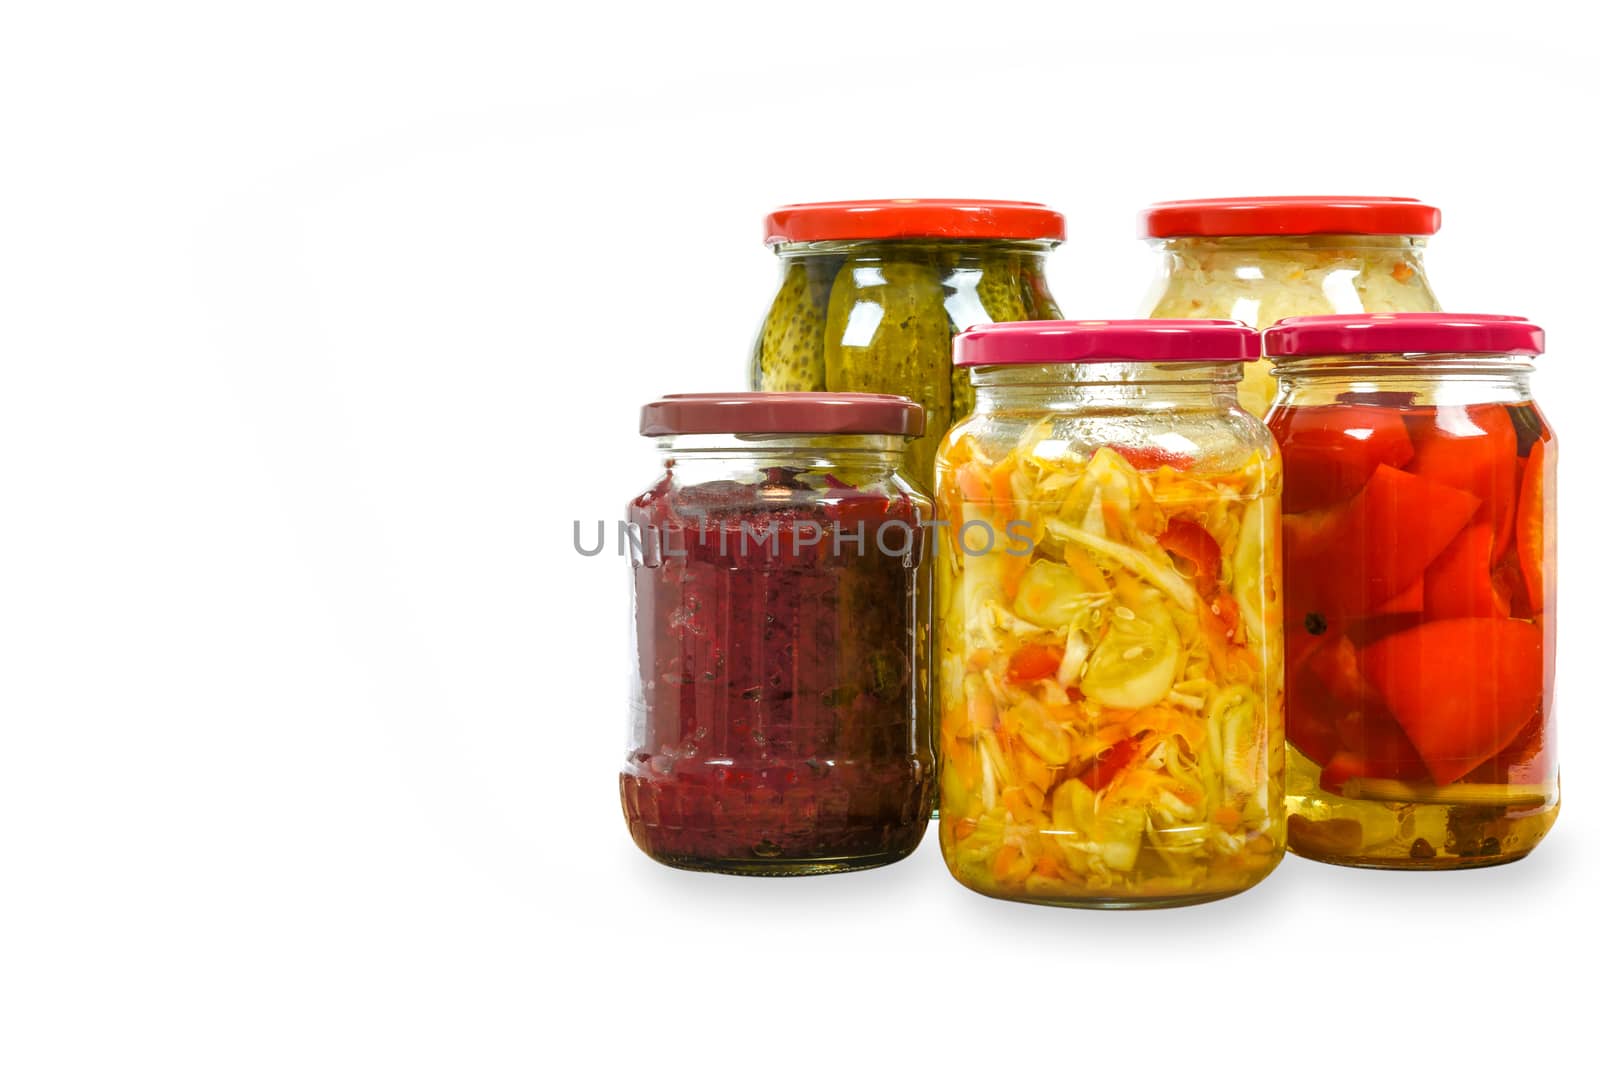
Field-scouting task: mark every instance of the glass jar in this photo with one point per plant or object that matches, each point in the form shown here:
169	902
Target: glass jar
1109	618
1260	259
872	291
1419	568
781	609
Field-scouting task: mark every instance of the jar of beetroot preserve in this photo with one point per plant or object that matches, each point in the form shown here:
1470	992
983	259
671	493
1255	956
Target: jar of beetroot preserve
1419	572
781	613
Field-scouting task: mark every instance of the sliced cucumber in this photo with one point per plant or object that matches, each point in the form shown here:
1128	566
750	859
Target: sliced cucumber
1136	662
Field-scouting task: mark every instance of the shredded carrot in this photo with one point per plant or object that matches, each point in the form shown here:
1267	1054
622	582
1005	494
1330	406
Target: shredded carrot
1129	591
1084	568
1046	867
971	483
1113	521
1011	571
963	828
980	708
1000	488
1402	272
1010	865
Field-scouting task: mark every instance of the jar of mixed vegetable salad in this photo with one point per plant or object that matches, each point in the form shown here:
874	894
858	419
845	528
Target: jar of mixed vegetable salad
872	291
1109	618
1262	258
1419	569
781	603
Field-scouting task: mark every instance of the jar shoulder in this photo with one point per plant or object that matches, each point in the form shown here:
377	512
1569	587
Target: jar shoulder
1222	437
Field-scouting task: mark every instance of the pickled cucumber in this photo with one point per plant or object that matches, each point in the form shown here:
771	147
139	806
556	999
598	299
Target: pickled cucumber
1036	294
1000	288
1137	661
789	351
887	332
1000	291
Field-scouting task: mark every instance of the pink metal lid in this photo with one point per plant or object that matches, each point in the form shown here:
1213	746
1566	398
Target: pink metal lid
795	413
1419	331
1108	341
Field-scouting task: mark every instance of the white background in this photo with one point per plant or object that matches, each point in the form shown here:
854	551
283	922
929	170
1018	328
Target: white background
320	323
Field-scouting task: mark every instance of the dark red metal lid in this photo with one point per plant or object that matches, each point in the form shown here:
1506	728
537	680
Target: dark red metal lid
793	413
1419	331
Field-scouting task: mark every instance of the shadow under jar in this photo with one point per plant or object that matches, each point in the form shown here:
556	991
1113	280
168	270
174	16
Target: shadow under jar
872	292
1109	618
1263	258
1419	568
781	611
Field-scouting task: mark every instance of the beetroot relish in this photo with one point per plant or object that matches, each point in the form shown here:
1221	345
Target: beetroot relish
781	683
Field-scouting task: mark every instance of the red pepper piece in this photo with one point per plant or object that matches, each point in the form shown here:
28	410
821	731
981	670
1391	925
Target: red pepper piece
1459	584
1535	533
1525	761
1350	559
1461	689
1190	542
1033	662
1150	457
1409	602
1337	719
1310	712
1330	452
1473	449
1380	749
1107	765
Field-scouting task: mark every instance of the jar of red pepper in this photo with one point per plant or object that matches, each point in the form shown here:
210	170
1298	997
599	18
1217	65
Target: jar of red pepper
780	720
1419	573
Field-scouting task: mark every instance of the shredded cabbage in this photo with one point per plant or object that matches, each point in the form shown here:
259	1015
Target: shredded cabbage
1260	280
1148	764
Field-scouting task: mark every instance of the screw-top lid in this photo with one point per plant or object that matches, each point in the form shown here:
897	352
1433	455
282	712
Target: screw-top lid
790	413
1421	332
866	220
1108	341
1265	216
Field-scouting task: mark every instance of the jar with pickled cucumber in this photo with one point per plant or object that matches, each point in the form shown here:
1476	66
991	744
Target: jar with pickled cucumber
872	292
1109	618
1419	571
1260	259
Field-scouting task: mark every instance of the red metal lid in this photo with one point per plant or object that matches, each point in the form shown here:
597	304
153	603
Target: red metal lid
866	220
1264	216
796	413
1108	341
1421	331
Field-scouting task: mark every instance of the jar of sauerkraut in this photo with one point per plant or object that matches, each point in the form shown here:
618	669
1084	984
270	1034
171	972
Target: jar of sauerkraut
872	291
781	720
1262	258
1110	618
1419	573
